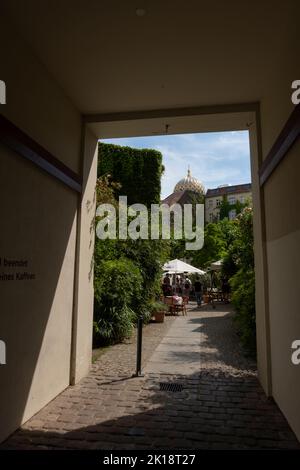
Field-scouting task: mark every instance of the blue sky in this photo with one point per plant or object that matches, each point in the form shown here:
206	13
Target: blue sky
215	158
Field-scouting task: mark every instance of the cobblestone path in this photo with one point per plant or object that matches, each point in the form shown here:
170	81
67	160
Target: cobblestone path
217	405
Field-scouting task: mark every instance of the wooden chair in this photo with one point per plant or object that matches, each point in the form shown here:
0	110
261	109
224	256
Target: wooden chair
174	308
181	307
169	301
185	302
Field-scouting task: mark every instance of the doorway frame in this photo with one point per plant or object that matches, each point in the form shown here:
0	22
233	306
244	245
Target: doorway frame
253	125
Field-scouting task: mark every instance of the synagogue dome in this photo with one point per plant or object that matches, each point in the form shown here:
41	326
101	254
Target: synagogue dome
189	183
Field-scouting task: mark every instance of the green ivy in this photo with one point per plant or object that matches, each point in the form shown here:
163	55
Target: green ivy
137	170
225	207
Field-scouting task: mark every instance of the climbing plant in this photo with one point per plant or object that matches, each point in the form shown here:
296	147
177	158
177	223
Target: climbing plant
137	170
226	207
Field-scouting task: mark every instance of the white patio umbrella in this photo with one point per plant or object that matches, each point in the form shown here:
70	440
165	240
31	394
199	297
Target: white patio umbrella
216	265
176	266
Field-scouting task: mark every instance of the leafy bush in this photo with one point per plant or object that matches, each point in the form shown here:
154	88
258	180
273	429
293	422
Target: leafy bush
113	325
158	307
243	298
148	255
214	246
118	293
238	265
229	267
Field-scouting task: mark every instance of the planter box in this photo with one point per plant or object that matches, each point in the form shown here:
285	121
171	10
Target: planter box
159	317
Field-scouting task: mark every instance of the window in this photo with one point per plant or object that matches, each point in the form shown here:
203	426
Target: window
210	203
242	199
232	214
210	217
218	202
231	200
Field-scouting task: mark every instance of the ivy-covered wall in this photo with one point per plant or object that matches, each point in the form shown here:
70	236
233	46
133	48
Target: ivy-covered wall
137	170
226	207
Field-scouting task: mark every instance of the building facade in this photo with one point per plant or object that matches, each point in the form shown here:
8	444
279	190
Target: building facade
231	198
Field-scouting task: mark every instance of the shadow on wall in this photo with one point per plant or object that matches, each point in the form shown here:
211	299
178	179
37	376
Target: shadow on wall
38	216
211	412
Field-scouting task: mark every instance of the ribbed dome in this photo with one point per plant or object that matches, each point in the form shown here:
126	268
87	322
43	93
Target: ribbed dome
190	183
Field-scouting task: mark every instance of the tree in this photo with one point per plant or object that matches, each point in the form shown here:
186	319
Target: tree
214	246
225	208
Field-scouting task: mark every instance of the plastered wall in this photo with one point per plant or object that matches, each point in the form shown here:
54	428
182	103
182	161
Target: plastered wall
282	201
41	220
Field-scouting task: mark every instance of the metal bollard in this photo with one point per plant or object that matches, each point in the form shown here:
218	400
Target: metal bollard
139	348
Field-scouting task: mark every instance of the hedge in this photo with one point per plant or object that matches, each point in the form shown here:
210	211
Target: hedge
137	170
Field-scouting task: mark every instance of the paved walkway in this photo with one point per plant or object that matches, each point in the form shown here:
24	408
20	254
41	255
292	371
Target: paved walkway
220	403
179	351
205	340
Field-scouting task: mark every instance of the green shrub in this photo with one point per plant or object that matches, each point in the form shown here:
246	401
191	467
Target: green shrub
113	325
158	307
238	267
214	246
118	294
149	256
243	298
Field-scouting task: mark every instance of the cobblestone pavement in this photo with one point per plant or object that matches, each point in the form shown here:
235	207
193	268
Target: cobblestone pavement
220	406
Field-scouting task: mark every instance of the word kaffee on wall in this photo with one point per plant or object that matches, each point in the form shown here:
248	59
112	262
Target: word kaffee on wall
15	270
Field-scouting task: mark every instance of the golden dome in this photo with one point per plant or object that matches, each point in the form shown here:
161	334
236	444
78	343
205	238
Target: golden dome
190	183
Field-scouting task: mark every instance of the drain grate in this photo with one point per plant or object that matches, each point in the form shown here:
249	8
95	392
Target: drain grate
170	387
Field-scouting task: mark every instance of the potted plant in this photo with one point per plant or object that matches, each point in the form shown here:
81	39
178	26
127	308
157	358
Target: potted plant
158	310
